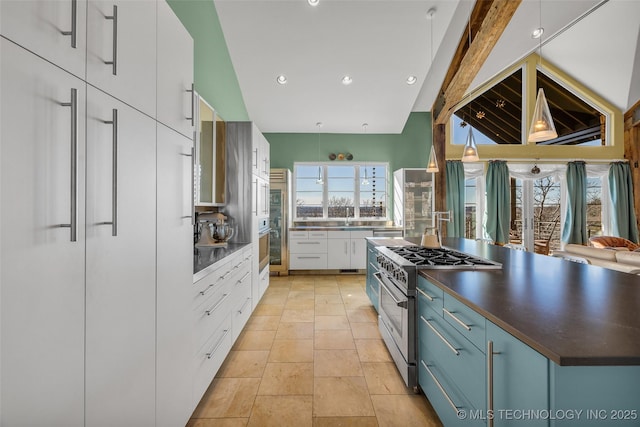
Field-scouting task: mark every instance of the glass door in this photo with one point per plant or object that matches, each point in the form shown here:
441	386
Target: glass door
276	221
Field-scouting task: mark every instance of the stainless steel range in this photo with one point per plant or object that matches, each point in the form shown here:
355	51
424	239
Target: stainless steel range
397	276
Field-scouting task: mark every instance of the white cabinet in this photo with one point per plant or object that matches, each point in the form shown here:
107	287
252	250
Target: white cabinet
120	276
121	51
175	72
347	249
307	250
260	156
241	306
42	265
174	367
55	30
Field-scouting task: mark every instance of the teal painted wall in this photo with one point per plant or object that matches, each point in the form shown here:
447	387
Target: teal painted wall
215	77
410	149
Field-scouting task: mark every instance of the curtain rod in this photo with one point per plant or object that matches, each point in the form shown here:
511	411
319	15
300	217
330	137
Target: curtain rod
529	160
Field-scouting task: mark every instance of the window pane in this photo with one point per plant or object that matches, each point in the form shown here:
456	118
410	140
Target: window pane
307	171
546	211
594	206
470	208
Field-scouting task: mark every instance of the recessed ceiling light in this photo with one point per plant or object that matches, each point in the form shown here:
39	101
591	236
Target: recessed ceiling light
282	79
313	2
347	80
411	80
535	34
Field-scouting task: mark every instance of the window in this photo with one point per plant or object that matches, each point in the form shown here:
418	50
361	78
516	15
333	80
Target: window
351	190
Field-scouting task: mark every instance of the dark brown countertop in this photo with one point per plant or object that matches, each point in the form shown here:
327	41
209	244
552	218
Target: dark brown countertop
574	314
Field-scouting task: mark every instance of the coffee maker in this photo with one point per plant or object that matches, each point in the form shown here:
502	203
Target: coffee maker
214	230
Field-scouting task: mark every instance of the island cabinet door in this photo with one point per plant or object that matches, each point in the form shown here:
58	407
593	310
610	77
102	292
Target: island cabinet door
517	381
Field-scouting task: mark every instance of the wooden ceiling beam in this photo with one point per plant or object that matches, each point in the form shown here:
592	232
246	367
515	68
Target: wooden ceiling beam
488	20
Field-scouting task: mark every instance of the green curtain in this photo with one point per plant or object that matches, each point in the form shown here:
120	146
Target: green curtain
575	225
455	197
623	212
498	201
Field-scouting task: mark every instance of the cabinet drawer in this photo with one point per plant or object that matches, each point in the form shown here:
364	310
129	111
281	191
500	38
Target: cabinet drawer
360	234
212	312
210	357
308	246
240	315
298	234
466	321
338	234
430	295
308	261
443	395
463	363
318	234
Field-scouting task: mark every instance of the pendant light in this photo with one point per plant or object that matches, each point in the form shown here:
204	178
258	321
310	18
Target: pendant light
542	126
319	181
365	180
432	166
470	150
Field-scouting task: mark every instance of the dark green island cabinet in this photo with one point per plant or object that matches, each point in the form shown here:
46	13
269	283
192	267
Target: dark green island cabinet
372	286
541	342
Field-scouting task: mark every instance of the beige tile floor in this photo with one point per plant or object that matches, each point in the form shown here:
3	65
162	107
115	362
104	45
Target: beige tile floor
311	355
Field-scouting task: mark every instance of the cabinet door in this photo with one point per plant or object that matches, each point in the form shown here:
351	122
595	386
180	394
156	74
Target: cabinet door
520	377
358	249
121	51
174	234
175	72
256	151
265	162
121	245
338	253
55	30
42	266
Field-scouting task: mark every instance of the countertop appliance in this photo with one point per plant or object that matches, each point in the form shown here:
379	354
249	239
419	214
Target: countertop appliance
397	276
279	217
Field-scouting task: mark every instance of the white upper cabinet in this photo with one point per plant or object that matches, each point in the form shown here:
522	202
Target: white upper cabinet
121	51
175	72
42	158
55	30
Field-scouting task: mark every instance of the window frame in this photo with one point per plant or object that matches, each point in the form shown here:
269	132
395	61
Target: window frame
355	214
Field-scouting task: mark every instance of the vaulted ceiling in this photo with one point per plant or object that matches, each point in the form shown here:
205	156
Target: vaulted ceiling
381	43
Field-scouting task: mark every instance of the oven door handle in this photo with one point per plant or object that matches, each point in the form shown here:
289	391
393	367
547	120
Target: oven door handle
399	303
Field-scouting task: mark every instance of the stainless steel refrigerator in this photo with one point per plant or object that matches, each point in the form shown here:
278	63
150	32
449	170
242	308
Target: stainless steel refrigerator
279	217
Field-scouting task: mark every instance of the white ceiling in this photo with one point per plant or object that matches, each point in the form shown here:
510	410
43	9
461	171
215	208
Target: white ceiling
381	42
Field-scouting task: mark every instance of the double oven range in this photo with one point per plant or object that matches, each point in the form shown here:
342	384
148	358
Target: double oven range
398	276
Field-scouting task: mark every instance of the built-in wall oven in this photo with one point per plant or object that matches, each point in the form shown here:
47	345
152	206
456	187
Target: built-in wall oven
263	243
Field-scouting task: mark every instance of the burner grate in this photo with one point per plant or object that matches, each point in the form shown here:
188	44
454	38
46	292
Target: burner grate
436	257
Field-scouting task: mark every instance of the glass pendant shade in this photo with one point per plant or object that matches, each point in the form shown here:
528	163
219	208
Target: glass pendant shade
432	166
319	180
470	152
365	180
542	126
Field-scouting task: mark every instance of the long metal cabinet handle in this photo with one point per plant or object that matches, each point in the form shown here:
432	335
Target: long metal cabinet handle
73	224
114	172
74	25
353	247
444	340
193	106
312	242
345	247
256	165
218	344
454	317
244	305
240	280
216	305
399	303
446	396
257	189
193	190
490	381
114	62
426	295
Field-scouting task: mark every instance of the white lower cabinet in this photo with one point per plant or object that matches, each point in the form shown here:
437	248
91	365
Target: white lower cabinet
174	355
42	262
307	250
121	266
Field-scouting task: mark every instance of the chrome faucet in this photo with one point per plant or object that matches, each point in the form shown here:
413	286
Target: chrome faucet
346	219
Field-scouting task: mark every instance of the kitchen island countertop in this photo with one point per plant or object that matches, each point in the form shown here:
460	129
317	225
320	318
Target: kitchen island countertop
574	314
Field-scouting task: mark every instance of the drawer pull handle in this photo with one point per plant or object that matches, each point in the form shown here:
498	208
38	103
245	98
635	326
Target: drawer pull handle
444	340
243	277
426	295
206	289
73	222
454	317
218	344
308	257
114	62
309	243
244	305
73	31
216	305
373	266
446	396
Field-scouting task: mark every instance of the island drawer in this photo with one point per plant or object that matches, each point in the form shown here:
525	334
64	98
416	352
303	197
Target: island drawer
429	294
210	356
470	324
212	312
457	356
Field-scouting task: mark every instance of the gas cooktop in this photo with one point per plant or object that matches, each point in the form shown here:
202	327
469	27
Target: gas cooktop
441	258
